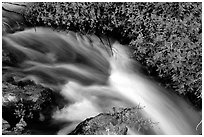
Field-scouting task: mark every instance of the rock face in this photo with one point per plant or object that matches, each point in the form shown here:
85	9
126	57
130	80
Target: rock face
25	104
120	122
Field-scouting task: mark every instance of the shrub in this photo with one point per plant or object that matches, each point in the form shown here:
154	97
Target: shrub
166	37
170	44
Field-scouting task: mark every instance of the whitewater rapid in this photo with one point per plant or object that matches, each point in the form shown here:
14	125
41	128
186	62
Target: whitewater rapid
96	77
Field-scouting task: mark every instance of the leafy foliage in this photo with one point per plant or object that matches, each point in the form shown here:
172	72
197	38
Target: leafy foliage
166	37
171	45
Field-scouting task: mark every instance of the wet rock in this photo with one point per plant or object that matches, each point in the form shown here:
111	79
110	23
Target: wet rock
103	124
30	103
13	17
9	101
119	122
18	130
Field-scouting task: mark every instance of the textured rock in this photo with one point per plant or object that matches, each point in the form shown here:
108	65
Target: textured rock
27	102
103	124
12	16
116	123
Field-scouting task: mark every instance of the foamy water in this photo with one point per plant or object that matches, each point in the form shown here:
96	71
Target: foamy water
94	80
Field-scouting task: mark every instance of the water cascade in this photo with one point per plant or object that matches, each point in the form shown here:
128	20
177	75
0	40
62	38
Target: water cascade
95	77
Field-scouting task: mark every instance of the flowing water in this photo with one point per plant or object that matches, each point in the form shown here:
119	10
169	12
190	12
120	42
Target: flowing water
95	77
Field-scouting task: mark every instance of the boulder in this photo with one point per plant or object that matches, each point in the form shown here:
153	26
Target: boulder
119	122
28	102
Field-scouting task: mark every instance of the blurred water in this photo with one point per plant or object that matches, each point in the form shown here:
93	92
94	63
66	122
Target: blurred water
95	78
